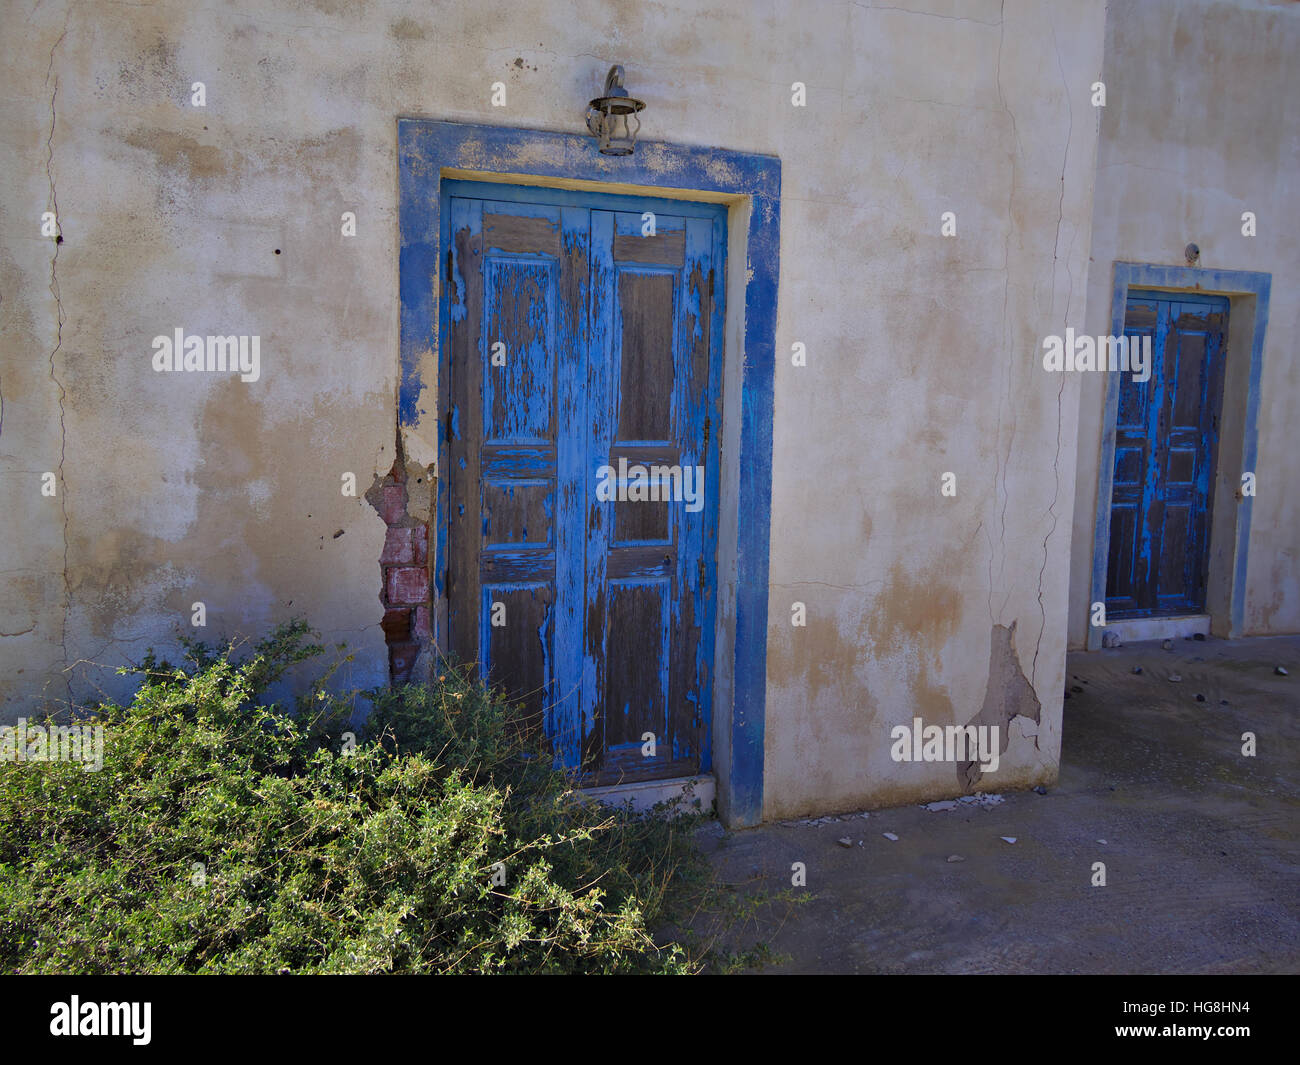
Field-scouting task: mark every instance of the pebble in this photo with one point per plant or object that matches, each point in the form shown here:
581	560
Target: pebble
890	836
946	804
1137	669
1175	677
1039	789
1281	672
1200	698
1168	645
955	858
1102	842
844	841
1009	839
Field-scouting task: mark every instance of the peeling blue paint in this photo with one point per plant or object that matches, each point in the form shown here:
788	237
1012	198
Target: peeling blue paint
425	149
1229	283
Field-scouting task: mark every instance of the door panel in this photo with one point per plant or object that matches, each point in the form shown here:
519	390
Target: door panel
582	342
513	310
650	562
1166	446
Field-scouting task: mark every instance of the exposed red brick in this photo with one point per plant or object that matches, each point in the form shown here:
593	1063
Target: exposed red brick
392	503
407	585
396	626
404	568
405	547
398	548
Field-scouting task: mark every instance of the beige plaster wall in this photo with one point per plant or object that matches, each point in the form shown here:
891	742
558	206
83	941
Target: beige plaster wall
922	350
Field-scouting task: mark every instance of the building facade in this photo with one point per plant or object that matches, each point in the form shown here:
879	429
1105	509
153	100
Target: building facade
337	311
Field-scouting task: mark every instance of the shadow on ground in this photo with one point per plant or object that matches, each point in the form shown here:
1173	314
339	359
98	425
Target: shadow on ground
1199	842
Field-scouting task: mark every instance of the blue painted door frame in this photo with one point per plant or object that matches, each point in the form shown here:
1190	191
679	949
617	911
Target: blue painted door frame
750	185
1194	281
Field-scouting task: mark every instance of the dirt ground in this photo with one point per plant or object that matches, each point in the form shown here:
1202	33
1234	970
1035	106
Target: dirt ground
1200	842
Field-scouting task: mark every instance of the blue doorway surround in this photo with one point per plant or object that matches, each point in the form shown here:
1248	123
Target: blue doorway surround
1248	296
749	185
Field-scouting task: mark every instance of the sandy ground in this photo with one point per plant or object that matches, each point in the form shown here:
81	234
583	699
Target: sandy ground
1200	843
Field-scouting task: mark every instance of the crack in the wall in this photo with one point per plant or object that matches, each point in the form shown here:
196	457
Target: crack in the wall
926	14
1056	491
1069	293
60	484
827	584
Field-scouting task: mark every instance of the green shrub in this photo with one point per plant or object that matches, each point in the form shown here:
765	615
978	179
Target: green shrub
224	835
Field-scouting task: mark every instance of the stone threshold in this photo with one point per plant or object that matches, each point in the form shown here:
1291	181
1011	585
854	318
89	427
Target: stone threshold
697	793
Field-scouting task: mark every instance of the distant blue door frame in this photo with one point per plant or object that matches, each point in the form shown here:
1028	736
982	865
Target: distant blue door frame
430	150
1190	280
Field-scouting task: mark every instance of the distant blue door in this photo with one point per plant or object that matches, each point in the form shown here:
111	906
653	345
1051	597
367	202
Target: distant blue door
580	493
1166	447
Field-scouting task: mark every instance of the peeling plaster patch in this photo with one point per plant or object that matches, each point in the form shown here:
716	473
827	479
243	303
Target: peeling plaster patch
420	493
426	397
421	451
1026	728
1008	697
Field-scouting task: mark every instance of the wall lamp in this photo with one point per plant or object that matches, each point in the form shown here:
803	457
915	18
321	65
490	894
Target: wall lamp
611	118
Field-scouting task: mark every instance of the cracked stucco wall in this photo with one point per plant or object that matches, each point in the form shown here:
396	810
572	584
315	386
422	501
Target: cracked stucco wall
926	356
1180	158
922	351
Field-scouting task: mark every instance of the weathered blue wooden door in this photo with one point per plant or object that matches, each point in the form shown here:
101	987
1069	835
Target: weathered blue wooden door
580	491
1166	445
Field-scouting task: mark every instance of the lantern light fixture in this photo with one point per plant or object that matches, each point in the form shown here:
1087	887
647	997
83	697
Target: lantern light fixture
611	117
